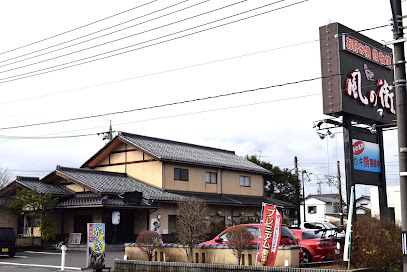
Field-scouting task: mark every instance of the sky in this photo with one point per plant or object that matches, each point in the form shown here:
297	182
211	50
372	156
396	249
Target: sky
252	61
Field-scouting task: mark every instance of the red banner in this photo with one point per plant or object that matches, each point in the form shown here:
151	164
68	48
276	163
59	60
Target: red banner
269	236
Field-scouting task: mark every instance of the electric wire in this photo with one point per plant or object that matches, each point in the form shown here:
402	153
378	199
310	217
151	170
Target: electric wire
55	45
26	75
77	28
157	73
64	55
152	119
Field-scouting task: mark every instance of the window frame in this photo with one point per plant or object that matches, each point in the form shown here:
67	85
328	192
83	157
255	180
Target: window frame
312	209
246	181
211	175
181	174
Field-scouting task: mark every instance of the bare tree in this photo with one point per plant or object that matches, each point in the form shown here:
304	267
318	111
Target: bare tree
148	241
191	224
5	177
238	238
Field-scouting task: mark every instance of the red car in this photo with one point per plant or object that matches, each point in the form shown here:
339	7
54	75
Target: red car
316	248
287	237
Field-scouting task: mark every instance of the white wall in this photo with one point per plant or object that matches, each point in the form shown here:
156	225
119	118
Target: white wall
320	212
393	200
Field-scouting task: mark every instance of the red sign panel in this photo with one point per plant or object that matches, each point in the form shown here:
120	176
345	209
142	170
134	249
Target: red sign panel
367	51
269	236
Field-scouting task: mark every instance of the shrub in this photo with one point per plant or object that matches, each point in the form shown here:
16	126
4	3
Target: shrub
238	238
148	241
376	243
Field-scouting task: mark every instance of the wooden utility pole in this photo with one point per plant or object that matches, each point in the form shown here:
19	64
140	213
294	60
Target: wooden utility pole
340	192
298	207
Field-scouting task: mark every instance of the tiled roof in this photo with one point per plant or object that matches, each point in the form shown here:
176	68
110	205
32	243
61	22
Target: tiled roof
42	188
104	182
234	200
327	198
97	200
167	150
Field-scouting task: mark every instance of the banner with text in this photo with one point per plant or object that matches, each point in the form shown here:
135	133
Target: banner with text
269	235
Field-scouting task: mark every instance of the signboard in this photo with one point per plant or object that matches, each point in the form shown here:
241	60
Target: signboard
366	156
96	245
74	238
357	76
269	235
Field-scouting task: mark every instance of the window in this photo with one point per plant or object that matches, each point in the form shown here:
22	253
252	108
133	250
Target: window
172	224
211	177
181	174
312	209
244	181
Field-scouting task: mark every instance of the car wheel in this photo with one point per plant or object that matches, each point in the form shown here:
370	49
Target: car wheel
11	254
307	257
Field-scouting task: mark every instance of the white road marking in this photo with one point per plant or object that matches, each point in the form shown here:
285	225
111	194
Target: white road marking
40	265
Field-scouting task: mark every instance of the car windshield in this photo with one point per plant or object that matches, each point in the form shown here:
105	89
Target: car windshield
311	235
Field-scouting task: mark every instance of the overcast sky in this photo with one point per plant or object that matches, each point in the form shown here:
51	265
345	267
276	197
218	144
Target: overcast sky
160	52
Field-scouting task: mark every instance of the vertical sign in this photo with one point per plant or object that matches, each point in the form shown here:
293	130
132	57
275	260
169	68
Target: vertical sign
404	242
269	235
96	245
366	156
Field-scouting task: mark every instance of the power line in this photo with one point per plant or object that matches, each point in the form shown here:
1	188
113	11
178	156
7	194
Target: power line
157	73
119	39
100	31
77	28
26	75
151	119
166	104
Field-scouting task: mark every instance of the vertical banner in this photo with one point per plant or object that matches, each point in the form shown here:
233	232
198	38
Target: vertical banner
269	235
346	249
96	245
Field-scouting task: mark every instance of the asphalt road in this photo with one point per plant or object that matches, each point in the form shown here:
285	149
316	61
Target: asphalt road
51	261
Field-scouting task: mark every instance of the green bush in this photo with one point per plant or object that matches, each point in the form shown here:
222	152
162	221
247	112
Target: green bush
376	243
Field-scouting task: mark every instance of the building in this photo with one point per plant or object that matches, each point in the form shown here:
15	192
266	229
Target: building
142	178
323	207
362	205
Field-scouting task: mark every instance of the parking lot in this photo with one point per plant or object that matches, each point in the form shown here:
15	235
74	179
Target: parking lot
51	261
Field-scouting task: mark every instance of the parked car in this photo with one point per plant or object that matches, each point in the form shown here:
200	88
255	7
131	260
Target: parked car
287	237
328	230
8	241
315	246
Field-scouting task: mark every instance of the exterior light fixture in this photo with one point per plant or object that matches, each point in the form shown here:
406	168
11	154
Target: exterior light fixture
380	113
317	124
373	129
332	135
321	135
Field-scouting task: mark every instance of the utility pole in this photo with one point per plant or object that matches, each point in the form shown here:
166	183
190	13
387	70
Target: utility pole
303	193
296	174
401	101
340	192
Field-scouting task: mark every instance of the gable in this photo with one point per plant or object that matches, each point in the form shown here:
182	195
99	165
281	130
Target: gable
175	152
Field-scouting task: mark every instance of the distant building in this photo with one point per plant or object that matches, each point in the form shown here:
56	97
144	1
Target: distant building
362	205
324	207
